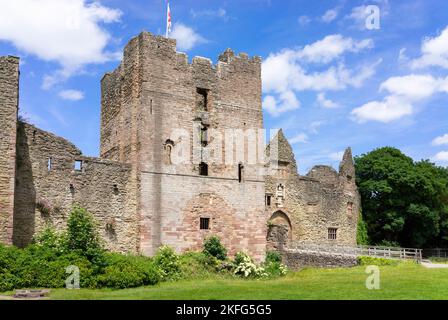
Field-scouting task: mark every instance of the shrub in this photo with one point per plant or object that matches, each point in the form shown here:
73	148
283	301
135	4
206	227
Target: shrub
168	263
81	231
197	265
213	247
367	261
245	267
275	269
273	256
51	239
128	272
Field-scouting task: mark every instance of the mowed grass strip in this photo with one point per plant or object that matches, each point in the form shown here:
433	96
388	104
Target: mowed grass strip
405	281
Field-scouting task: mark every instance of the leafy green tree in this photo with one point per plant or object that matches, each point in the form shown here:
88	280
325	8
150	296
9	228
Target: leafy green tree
403	201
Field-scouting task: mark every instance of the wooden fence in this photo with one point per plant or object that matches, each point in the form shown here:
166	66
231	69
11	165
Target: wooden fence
379	252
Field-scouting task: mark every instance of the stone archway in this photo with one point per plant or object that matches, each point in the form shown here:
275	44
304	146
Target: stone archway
279	231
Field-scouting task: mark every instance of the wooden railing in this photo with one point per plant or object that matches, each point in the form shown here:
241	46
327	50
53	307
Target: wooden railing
380	252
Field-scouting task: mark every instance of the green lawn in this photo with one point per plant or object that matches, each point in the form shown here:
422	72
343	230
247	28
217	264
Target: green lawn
405	281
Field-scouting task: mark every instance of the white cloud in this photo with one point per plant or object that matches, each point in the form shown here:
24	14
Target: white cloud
404	92
300	138
330	15
284	72
73	95
64	31
440	140
390	109
288	102
304	20
326	103
414	87
332	47
336	156
186	37
359	14
434	52
441	157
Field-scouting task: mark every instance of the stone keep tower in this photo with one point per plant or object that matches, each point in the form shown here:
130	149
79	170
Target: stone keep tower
9	95
174	122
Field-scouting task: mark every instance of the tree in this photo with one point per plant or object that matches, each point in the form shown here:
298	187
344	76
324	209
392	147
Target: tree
403	201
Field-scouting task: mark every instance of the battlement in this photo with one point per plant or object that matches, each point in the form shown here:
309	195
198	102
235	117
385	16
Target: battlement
165	48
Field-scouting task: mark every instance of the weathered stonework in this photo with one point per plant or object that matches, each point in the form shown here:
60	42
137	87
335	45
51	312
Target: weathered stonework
154	104
9	95
298	259
308	206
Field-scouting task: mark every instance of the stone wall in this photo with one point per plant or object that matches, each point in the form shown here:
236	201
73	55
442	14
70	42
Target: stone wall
46	177
9	95
298	259
312	204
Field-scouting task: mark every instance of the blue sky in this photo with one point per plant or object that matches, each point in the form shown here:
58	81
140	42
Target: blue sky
329	81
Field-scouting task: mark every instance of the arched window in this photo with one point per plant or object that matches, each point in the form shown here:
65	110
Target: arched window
169	146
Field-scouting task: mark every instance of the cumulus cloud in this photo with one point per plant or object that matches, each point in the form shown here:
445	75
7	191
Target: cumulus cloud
326	103
403	93
286	72
442	140
332	47
299	138
73	95
441	157
287	101
64	31
434	52
330	15
186	37
387	110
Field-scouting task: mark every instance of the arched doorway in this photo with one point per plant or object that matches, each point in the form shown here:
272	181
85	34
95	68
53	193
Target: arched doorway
279	231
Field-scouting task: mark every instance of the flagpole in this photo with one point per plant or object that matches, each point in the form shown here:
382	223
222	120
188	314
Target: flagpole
168	20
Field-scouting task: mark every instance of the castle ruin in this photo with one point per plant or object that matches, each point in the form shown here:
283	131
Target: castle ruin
158	108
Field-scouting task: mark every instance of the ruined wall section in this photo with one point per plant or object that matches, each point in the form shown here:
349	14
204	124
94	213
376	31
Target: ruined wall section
48	185
9	96
322	199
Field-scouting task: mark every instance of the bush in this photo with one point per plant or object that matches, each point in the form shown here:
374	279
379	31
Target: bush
81	231
275	269
245	267
374	261
214	248
128	272
273	256
168	263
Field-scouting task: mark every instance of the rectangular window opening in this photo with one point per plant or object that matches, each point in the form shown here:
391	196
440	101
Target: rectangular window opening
49	164
268	200
332	233
350	208
78	165
202	99
203	169
204	223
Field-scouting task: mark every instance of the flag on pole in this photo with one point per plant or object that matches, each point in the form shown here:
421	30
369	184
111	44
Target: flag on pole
168	21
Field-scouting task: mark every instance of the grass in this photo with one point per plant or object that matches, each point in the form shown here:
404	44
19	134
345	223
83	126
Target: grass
405	281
